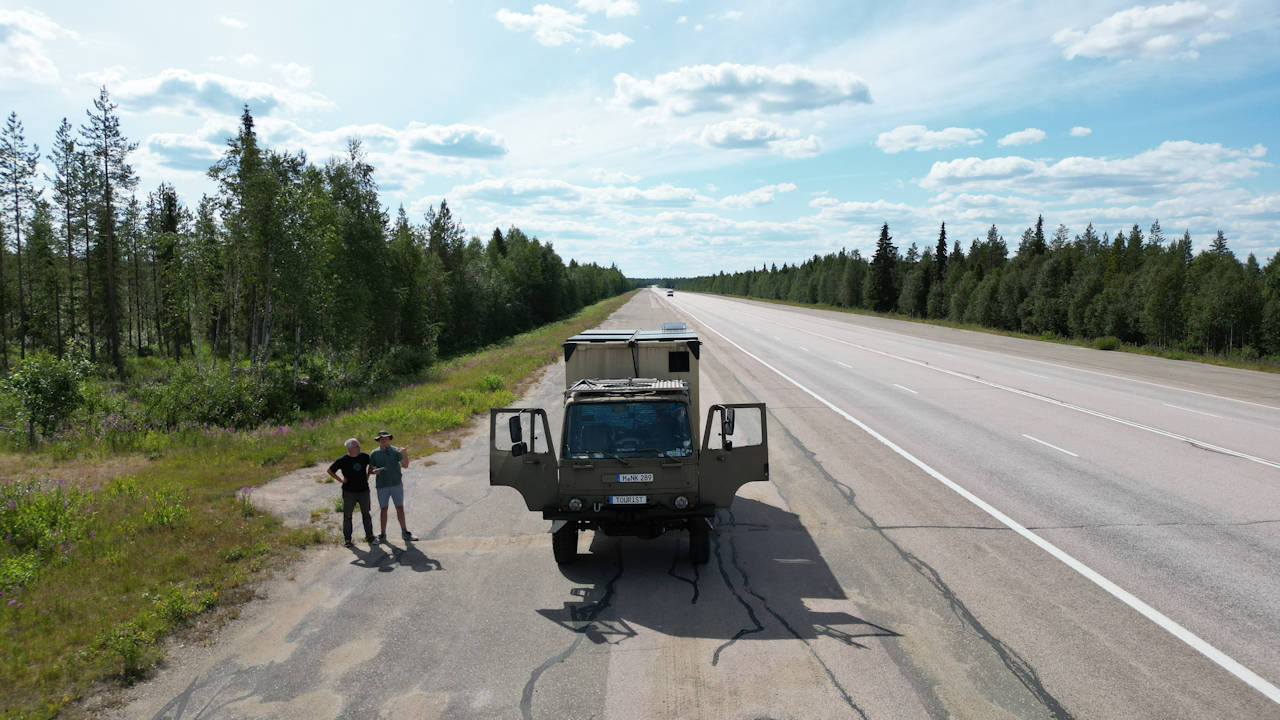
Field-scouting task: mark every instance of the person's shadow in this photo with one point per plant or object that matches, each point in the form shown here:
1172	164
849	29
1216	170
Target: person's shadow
386	557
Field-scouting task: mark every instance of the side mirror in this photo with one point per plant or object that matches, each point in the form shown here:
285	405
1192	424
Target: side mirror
513	427
726	424
519	449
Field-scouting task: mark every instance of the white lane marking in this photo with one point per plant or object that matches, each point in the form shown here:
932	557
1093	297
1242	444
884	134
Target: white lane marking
913	392
842	364
1166	623
1059	403
775	337
804	348
1042	377
1055	447
1198	412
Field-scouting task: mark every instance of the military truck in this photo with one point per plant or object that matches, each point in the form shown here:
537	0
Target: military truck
628	461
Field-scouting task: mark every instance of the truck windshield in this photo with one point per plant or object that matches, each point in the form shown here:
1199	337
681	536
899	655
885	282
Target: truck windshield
628	429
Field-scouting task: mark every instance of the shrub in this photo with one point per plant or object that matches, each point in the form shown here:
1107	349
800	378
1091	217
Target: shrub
221	397
1107	342
47	391
166	509
18	571
490	382
406	361
178	604
131	643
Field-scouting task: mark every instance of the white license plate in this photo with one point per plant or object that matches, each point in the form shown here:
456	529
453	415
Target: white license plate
635	477
627	499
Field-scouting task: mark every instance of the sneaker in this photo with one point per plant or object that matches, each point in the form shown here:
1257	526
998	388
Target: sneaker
408	535
348	543
382	538
371	540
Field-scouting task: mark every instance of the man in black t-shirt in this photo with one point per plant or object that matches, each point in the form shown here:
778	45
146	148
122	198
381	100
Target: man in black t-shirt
354	467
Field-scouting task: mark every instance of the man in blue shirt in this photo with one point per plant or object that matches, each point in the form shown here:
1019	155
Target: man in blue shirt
386	463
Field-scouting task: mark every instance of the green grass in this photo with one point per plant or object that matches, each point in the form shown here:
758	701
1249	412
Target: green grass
95	578
1265	364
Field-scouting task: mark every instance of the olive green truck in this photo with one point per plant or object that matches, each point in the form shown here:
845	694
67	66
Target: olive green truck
629	460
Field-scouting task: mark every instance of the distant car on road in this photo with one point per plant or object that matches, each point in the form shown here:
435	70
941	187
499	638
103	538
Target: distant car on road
671	293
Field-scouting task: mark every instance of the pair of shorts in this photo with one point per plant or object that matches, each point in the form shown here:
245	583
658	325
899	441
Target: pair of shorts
387	494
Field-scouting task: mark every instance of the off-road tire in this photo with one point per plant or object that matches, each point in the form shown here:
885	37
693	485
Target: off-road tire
699	542
564	543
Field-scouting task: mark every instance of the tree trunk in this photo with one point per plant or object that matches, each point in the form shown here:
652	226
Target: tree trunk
22	306
71	278
88	284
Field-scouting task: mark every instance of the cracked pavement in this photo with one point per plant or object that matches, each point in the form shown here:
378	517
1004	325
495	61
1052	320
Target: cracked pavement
848	586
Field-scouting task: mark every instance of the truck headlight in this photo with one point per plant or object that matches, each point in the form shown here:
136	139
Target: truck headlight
575	504
682	502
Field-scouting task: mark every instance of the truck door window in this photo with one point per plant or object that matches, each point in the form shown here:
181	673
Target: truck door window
746	429
531	433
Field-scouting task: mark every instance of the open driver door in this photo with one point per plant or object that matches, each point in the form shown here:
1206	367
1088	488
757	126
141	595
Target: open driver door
735	451
521	454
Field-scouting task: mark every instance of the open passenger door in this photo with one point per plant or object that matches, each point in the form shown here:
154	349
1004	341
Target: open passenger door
735	450
521	454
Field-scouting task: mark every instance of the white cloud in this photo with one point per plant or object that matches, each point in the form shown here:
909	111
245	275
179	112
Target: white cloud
611	177
247	60
1030	136
682	20
730	15
188	92
612	40
750	133
106	76
465	141
1159	30
23	52
559	195
232	22
921	138
1173	167
755	198
744	89
554	26
610	8
295	74
1081	131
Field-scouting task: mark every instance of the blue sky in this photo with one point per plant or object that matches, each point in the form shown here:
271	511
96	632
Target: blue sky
683	137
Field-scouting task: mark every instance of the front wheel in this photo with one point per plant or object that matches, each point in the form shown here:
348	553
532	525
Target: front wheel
699	542
564	544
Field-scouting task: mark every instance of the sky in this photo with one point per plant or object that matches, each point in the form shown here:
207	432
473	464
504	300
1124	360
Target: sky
676	138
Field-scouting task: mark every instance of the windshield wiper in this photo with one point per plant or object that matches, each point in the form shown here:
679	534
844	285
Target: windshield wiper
607	454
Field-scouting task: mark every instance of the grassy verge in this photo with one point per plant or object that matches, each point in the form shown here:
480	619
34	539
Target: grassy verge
1102	343
94	578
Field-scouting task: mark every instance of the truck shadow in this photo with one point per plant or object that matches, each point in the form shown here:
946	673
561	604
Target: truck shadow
766	580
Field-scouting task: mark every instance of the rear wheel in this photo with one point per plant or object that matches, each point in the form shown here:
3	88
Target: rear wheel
699	542
564	543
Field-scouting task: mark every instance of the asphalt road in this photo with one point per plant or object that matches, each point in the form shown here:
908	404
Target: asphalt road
957	525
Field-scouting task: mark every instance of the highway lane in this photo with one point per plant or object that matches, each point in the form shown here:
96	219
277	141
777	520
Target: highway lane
853	585
1192	530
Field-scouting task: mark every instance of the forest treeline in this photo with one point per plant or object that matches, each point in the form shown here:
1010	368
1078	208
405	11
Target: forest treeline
289	287
1134	287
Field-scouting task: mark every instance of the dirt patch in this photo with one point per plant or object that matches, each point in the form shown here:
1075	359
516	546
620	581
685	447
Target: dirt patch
83	474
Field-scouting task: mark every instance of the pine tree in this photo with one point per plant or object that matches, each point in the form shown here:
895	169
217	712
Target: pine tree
884	294
17	169
1219	246
940	254
63	157
110	153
